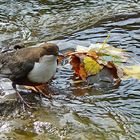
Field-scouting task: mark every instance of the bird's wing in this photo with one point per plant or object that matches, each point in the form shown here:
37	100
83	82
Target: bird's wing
16	70
15	66
21	70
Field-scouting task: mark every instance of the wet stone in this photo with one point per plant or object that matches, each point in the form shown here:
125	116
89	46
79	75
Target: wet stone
6	90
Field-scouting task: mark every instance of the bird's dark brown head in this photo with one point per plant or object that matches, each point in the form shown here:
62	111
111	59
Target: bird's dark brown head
50	49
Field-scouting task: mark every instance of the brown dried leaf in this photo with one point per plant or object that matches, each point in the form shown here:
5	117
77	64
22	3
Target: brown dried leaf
75	62
92	54
112	69
86	64
116	71
82	72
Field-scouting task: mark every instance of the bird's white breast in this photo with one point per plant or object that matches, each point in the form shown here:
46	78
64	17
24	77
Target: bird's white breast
44	69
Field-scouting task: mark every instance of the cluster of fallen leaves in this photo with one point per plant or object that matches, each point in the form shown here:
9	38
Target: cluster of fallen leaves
89	61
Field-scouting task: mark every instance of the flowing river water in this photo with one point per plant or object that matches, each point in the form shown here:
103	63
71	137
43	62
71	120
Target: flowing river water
77	111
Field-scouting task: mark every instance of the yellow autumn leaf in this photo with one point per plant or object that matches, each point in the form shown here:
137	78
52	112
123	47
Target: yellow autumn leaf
91	66
132	71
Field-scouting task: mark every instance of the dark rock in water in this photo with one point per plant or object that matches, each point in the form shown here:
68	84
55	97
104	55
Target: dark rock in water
103	79
18	46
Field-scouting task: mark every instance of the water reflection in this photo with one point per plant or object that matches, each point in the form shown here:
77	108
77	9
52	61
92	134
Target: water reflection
76	111
54	19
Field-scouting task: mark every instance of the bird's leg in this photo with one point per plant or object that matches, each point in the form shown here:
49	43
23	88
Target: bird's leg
21	98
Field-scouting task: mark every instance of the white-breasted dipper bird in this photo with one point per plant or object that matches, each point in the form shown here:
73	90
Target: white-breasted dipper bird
30	66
